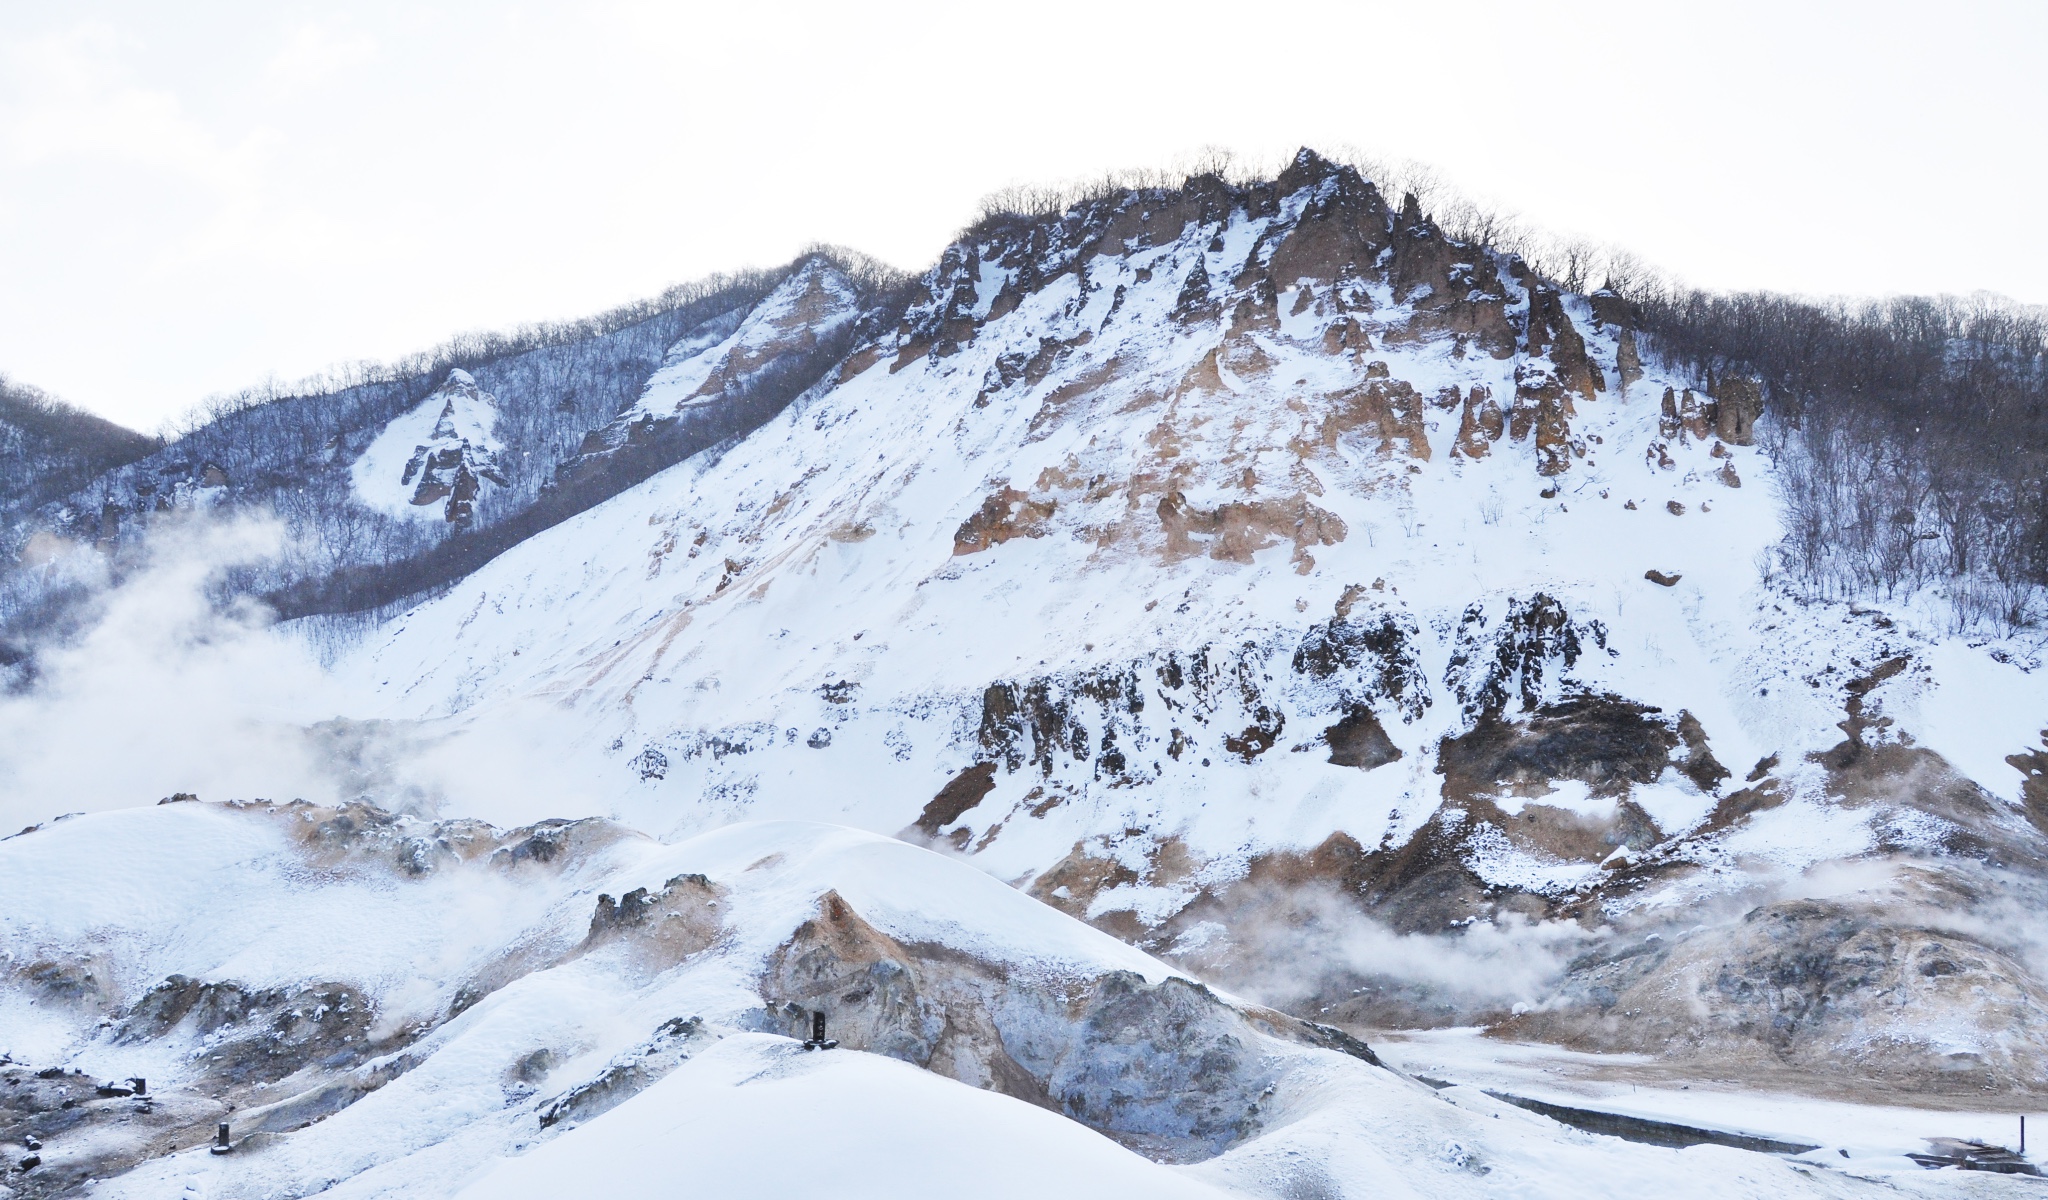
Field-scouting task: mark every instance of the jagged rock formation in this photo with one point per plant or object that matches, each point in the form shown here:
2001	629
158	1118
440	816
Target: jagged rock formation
459	455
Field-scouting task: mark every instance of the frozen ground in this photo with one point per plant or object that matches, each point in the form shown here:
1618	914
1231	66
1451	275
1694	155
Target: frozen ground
1875	1135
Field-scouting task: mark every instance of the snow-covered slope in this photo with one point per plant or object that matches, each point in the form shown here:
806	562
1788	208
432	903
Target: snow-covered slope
1202	556
511	1013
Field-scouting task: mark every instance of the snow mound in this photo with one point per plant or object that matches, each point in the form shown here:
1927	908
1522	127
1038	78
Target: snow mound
850	1126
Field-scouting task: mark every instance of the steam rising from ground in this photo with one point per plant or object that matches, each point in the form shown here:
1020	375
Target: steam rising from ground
1309	942
1488	963
171	690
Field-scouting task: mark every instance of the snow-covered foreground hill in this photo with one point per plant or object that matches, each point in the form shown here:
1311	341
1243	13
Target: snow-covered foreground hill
1212	624
381	1006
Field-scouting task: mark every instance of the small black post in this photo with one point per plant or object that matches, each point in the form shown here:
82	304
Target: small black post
817	1026
2023	1135
141	1085
220	1140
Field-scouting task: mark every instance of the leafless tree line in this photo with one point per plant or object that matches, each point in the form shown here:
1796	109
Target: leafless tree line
1911	436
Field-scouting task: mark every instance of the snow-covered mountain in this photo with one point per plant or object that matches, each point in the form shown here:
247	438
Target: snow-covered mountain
1199	553
1239	583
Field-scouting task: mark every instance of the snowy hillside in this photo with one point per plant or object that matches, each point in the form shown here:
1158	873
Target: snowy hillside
1116	678
503	1013
1206	556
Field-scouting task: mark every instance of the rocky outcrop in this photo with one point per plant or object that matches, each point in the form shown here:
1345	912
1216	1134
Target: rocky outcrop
1235	530
1450	288
1359	740
1516	650
1166	1066
1628	363
662	926
1007	513
1368	654
674	1042
1552	335
2033	764
264	1034
1480	424
1389	409
961	793
1815	984
1739	402
461	454
1604	742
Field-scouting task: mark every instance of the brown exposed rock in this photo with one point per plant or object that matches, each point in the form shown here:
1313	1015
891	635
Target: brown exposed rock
1626	360
1359	740
1728	475
1259	736
1346	336
265	1033
1699	764
1166	1067
1674	508
1390	409
1696	415
1257	310
1551	334
1661	579
1007	513
1341	231
1235	530
1196	305
1019	365
1603	741
1543	407
2034	789
1451	288
1667	415
1611	311
961	793
1858	721
662	927
1480	425
796	330
1739	402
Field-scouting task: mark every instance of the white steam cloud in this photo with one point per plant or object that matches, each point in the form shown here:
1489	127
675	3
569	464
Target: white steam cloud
168	691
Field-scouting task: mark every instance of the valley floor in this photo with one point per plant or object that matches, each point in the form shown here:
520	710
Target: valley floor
1867	1130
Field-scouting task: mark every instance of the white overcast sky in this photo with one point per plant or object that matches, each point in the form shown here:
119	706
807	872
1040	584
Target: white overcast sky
194	197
